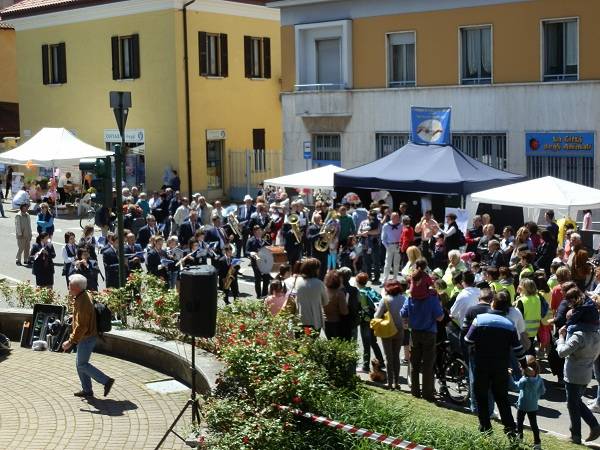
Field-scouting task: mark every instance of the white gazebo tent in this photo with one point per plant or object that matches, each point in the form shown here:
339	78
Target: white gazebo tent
564	197
51	147
319	178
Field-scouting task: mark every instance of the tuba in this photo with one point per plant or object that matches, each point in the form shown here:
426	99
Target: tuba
294	221
234	224
327	233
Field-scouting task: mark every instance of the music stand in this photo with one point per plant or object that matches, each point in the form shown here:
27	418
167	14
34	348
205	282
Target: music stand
192	401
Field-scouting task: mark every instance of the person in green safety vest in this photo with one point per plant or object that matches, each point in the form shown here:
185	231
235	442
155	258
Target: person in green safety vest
530	305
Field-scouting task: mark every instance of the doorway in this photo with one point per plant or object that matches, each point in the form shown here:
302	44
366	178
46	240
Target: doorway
214	164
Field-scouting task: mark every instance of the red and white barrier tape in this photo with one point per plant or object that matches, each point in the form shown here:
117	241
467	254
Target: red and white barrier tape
361	432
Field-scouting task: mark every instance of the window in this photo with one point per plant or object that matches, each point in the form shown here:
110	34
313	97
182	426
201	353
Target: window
54	64
490	149
329	62
476	55
213	54
326	149
561	52
387	143
401	59
257	57
125	57
575	169
258	144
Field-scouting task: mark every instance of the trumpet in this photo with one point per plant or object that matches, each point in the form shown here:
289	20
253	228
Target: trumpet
327	233
234	224
294	221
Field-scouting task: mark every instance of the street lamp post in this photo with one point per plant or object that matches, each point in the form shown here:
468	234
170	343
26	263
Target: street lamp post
120	102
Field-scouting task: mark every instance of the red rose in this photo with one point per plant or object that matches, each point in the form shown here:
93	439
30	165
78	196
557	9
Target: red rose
246	440
285	367
296	400
295	381
307	331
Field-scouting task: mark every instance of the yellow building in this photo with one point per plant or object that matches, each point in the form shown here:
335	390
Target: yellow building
70	56
9	108
516	73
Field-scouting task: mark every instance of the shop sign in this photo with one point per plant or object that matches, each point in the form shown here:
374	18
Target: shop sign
560	144
215	135
132	136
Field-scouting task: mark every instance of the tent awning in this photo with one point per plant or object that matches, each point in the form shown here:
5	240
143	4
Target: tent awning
51	147
545	192
319	178
433	169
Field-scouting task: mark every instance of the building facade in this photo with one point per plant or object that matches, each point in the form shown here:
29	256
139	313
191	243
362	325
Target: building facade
9	106
72	54
521	76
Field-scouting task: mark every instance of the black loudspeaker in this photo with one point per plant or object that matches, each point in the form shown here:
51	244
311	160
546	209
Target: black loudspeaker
198	301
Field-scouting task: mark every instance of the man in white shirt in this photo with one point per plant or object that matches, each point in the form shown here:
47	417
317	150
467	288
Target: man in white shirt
181	214
390	238
20	198
62	182
468	297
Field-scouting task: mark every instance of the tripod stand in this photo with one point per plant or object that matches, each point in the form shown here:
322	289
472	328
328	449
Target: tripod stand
192	401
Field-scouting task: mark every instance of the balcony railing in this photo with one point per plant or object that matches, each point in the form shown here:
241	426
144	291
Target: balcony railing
320	87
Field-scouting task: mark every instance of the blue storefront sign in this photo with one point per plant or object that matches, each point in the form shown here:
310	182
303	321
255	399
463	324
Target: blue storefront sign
560	144
430	125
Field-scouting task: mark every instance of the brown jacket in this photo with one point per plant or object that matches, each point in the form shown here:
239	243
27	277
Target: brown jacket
84	318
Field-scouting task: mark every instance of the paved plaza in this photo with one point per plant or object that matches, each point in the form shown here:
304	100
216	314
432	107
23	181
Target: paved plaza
38	409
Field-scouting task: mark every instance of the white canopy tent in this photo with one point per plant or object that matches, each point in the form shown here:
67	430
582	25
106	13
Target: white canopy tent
319	178
564	197
51	147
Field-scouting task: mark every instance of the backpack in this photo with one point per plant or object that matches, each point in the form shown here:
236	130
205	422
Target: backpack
103	317
544	305
367	298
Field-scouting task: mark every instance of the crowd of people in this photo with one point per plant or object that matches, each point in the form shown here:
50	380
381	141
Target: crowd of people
506	300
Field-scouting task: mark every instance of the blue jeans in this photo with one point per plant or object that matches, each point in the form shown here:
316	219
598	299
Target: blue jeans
578	410
84	369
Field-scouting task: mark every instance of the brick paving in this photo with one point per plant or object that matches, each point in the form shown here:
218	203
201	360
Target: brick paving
38	409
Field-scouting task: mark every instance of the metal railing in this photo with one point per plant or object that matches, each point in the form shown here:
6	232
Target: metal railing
320	87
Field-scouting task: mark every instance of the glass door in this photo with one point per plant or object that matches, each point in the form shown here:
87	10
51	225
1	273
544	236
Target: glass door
214	163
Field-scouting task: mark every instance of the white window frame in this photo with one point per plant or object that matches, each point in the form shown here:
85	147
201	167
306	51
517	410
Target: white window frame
543	46
460	52
306	50
313	137
387	58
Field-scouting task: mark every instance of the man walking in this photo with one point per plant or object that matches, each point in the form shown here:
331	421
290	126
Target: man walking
84	335
24	233
494	337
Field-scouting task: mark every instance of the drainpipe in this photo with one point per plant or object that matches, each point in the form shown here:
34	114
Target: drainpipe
187	98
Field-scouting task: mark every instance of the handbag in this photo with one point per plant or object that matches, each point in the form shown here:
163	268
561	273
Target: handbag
384	327
290	306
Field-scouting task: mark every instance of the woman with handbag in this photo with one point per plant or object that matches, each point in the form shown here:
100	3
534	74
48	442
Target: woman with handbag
388	325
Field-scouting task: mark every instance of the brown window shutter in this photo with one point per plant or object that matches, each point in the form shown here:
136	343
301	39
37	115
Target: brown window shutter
45	68
135	56
203	55
267	57
258	139
62	63
224	56
115	57
248	56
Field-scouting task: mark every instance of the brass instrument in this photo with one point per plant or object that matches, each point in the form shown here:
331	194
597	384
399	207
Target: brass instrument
267	231
294	221
234	224
229	278
327	232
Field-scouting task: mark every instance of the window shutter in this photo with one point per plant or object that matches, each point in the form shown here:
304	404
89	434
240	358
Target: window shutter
203	55
45	68
62	63
248	56
115	57
224	56
135	56
267	57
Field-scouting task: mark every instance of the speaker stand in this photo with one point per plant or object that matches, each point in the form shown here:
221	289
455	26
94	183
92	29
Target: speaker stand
192	402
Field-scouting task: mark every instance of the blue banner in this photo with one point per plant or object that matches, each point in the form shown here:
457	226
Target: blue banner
430	125
560	144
